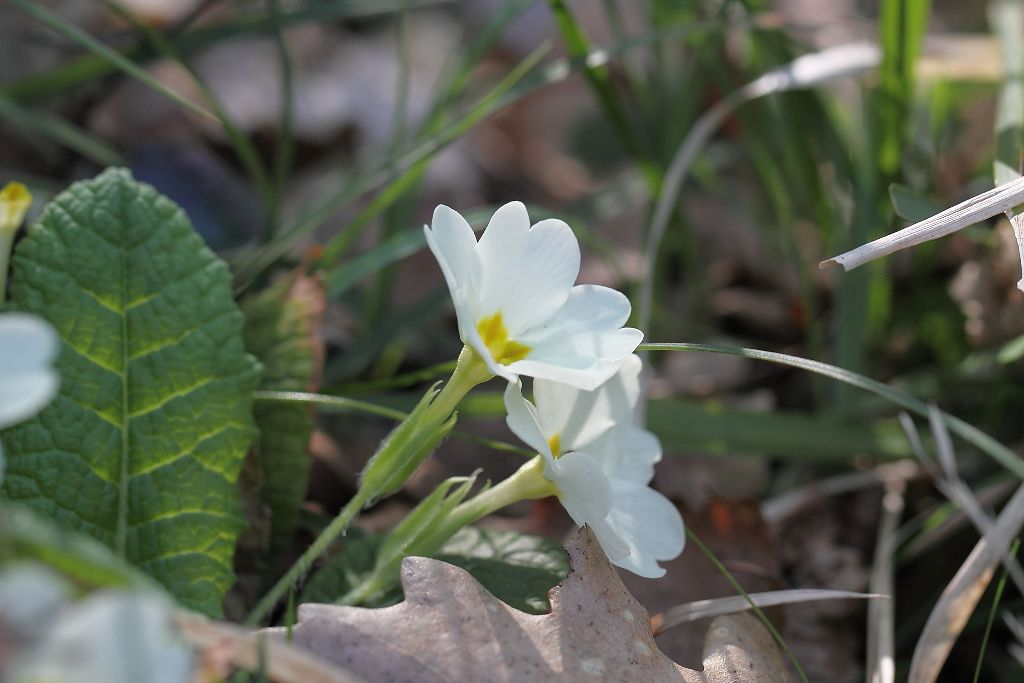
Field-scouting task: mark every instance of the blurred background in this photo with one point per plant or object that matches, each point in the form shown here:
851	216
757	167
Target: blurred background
320	135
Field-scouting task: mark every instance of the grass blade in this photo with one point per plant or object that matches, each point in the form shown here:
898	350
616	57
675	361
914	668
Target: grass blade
92	66
1000	453
974	210
724	571
996	599
806	71
961	596
881	659
1007	20
115	58
713	607
61	131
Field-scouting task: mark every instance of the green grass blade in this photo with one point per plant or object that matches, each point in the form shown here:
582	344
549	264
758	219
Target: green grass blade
284	146
902	28
400	173
243	146
345	404
1007	19
709	427
397	188
776	636
115	58
1000	453
61	131
996	599
599	79
250	266
92	66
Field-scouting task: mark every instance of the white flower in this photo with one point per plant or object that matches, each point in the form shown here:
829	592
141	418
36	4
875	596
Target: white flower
109	637
601	465
28	346
516	303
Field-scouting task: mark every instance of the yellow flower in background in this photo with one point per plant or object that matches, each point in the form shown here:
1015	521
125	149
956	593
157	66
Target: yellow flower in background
14	202
517	306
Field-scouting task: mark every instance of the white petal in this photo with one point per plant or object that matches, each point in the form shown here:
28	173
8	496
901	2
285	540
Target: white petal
578	371
453	243
526	273
627	453
522	419
579	417
26	343
110	637
586	495
500	253
650	525
25	394
589	326
589	308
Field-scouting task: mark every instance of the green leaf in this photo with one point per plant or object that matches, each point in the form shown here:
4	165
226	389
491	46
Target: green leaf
517	568
712	427
997	451
282	330
911	206
347	569
142	447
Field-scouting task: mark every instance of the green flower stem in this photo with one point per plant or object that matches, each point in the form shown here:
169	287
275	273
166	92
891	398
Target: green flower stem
469	372
527	483
291	578
6	243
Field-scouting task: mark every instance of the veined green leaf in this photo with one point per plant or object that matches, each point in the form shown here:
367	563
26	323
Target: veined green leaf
143	445
280	325
348	569
517	568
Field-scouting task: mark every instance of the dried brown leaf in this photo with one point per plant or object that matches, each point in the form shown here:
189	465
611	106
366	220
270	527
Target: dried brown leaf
450	629
962	594
739	649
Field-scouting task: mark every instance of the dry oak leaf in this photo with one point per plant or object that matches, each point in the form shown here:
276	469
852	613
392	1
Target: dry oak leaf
451	629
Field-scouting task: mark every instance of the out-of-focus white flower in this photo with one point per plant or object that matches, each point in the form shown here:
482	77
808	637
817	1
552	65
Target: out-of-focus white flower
28	346
516	303
31	595
109	637
28	381
601	465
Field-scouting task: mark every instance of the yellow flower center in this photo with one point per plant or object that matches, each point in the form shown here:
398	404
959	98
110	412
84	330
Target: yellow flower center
555	443
495	335
14	202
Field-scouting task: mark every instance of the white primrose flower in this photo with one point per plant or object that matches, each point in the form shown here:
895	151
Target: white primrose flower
516	303
28	346
601	465
109	637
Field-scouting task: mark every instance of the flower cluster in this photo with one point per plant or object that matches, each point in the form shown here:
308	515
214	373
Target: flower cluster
519	311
